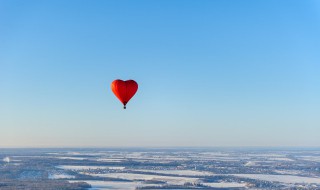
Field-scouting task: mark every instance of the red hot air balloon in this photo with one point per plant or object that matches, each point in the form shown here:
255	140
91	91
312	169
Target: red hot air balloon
124	90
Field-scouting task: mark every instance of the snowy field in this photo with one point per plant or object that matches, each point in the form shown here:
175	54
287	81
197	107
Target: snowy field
166	168
90	167
146	177
291	179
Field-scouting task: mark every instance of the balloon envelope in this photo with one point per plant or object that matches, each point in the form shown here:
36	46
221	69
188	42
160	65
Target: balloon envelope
124	90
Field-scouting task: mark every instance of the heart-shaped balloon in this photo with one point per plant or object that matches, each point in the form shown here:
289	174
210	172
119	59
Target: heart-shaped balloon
124	90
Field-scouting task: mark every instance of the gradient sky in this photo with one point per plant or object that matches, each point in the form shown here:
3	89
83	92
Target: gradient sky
210	73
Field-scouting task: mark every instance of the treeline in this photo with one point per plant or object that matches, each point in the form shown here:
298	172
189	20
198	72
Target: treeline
42	184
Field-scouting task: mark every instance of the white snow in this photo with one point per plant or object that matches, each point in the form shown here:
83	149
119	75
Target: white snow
280	159
225	185
6	159
310	158
111	159
104	185
280	178
130	176
76	168
214	154
179	172
288	172
250	163
60	176
71	158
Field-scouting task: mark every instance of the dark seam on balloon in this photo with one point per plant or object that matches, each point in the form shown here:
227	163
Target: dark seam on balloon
126	100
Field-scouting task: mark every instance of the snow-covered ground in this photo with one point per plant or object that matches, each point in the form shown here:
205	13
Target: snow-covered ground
280	159
77	168
310	158
280	178
71	158
61	176
180	172
289	172
225	185
131	176
111	159
128	169
107	185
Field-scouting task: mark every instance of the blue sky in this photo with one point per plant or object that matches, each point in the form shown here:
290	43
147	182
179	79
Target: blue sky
210	73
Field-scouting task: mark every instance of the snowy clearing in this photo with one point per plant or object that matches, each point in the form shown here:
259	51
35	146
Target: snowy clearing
280	178
77	168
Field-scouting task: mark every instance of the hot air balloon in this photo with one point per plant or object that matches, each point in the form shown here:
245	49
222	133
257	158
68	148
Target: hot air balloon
124	90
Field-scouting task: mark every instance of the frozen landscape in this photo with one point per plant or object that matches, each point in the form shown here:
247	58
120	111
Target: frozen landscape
148	168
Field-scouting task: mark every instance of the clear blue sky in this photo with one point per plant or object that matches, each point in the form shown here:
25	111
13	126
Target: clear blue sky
210	73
